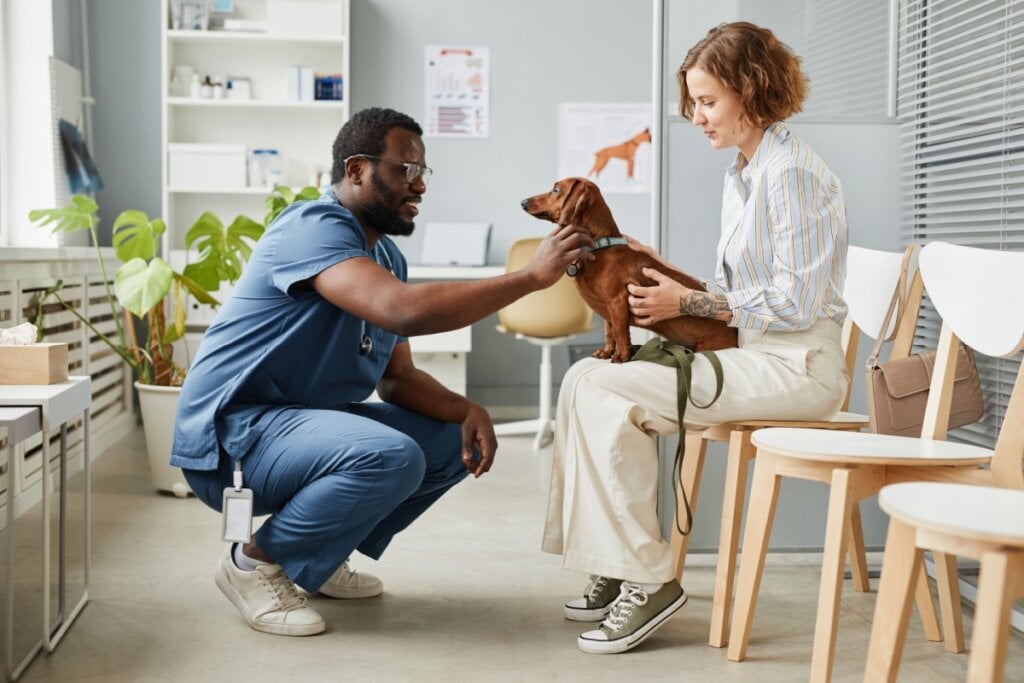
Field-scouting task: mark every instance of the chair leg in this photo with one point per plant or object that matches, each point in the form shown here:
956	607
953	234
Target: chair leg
948	583
764	495
831	590
544	422
998	585
693	466
925	606
740	453
900	567
858	556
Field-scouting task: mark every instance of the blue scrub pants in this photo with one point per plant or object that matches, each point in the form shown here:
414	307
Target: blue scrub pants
335	481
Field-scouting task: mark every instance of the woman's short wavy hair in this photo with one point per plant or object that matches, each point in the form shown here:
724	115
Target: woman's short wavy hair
749	60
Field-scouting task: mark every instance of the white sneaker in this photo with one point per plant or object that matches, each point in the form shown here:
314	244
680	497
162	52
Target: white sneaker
347	583
268	600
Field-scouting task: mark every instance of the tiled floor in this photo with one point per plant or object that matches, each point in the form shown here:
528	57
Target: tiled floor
469	597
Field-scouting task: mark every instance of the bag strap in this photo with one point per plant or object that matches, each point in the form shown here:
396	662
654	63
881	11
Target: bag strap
681	358
876	350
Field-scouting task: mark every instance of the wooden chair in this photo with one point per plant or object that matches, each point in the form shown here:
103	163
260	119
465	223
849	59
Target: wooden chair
872	277
988	526
858	465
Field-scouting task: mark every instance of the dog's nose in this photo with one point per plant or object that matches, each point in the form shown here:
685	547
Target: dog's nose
524	202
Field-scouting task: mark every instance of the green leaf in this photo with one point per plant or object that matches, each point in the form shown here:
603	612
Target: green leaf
196	290
80	214
222	251
135	236
281	197
140	286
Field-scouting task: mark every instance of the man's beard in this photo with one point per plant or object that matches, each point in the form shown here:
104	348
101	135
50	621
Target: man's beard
382	215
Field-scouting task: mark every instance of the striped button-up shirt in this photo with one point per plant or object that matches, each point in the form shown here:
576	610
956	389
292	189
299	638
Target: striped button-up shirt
782	253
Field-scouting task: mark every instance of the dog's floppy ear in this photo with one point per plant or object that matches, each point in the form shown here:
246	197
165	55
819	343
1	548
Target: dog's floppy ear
577	201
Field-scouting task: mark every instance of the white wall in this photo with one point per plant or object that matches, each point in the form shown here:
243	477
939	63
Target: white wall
543	53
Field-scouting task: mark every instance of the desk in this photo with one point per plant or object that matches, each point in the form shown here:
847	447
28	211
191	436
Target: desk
19	424
443	355
59	403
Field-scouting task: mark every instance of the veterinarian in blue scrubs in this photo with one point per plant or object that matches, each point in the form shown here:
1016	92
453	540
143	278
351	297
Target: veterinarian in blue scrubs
781	265
319	319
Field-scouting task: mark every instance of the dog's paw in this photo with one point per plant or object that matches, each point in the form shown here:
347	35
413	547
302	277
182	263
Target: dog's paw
604	354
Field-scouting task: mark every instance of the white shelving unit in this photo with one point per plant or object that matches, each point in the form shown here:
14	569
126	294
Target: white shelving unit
301	131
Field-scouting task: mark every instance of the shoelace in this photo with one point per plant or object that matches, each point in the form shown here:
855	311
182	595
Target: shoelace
596	584
630	597
284	590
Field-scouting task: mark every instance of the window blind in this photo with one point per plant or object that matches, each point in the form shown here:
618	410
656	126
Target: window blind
845	50
960	106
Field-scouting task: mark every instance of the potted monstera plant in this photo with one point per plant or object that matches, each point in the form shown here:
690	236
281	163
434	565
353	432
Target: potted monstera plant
147	303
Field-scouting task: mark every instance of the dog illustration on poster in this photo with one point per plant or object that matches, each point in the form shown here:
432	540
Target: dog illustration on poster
624	150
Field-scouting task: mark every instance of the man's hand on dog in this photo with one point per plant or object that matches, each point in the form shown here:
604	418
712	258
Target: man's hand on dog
563	245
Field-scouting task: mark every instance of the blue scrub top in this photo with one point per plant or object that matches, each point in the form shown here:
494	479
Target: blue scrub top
272	346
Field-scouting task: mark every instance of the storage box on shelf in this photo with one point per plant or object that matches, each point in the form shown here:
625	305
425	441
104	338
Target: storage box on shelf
209	143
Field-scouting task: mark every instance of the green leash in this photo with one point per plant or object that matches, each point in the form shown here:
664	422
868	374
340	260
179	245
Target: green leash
681	358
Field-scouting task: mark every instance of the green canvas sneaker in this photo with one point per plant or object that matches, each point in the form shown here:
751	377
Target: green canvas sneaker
596	602
634	616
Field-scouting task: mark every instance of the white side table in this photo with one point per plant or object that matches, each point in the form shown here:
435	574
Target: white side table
59	404
19	424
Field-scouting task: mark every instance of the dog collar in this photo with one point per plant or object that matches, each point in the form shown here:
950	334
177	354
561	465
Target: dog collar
600	243
603	242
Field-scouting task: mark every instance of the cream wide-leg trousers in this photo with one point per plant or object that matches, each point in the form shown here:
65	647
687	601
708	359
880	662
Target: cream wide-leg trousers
602	502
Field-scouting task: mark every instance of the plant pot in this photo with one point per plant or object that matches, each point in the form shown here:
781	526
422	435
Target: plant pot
159	405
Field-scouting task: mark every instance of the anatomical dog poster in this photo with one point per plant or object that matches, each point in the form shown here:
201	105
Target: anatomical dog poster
608	143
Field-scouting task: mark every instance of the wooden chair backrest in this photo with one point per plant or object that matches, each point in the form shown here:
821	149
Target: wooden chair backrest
977	293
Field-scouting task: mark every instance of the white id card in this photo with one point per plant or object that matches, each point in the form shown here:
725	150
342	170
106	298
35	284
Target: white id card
237	515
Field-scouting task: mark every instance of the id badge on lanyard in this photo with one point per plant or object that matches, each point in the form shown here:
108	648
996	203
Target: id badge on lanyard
236	510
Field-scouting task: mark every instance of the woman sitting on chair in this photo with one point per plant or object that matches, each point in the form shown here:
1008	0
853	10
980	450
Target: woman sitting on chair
781	266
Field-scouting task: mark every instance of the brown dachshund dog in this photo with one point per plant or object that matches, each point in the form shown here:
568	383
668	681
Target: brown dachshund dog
602	282
625	151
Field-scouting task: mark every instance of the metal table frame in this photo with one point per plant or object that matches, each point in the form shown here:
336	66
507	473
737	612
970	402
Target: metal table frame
59	403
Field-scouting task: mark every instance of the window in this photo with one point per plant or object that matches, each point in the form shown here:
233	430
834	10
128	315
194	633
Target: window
960	104
845	51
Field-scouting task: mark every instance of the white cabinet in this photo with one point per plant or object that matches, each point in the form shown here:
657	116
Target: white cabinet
268	65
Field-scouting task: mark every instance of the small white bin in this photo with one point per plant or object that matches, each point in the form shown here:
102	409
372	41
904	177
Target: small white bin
306	18
199	166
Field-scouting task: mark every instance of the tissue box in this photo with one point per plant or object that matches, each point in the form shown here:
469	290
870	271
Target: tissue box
34	364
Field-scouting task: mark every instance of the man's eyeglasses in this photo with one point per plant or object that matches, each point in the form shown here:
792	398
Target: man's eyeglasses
413	172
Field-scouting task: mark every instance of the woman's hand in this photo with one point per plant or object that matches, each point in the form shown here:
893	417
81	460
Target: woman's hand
669	299
650	305
637	245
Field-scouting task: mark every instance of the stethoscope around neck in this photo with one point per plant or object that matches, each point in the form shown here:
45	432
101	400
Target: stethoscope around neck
381	256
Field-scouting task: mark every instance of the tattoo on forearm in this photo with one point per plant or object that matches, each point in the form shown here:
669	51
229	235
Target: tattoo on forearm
705	305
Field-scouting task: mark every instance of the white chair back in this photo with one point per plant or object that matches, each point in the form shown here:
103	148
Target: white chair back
871	278
977	292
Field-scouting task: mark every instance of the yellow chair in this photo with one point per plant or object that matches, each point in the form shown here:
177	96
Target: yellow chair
872	278
546	318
